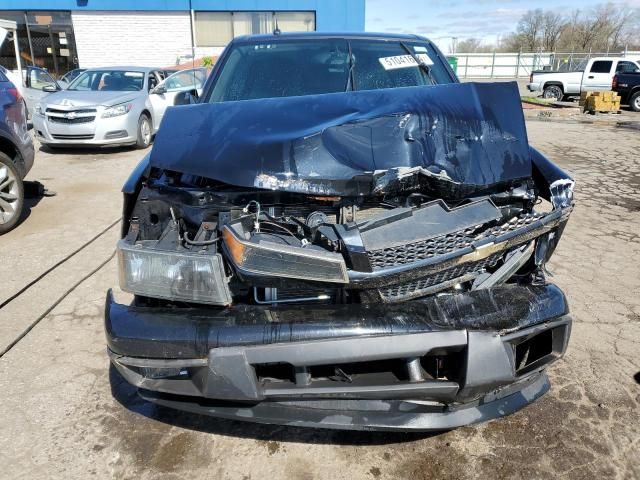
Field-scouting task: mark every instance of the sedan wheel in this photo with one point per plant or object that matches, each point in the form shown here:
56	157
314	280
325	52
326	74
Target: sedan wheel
144	132
11	194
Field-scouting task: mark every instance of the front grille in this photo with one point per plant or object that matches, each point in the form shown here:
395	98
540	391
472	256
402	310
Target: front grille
513	224
298	293
424	249
63	112
72	137
71	120
437	281
411	252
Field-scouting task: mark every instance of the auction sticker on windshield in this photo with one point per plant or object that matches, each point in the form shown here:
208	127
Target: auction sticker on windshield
404	61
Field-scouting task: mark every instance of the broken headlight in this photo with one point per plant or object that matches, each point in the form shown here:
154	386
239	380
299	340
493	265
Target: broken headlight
184	276
278	260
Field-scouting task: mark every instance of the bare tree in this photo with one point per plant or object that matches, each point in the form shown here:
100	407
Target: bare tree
615	19
469	45
608	26
530	28
512	42
630	34
553	24
453	45
585	29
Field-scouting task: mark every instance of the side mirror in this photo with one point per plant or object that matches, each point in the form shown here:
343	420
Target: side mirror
185	98
159	90
50	88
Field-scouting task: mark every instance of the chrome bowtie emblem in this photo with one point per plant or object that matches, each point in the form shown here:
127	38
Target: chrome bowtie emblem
70	115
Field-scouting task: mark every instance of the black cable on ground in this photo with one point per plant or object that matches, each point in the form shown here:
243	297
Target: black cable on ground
55	304
52	268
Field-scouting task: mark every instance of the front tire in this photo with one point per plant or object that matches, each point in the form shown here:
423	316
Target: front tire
553	92
11	194
634	102
144	132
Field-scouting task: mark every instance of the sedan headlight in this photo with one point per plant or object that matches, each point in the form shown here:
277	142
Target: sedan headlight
117	110
39	110
184	276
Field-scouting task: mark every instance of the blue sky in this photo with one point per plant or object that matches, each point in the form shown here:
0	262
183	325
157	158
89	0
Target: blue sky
441	19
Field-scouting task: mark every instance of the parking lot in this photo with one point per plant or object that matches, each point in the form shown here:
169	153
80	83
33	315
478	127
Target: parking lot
65	414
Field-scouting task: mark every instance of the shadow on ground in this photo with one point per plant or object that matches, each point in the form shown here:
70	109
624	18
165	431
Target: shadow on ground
127	396
34	192
83	150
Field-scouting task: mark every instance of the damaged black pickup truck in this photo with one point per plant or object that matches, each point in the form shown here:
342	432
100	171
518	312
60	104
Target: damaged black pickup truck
339	234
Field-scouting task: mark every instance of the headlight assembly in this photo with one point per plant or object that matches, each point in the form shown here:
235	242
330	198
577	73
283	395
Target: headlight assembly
39	110
117	110
276	260
173	275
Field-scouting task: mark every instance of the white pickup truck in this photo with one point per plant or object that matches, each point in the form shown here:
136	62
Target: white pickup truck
596	76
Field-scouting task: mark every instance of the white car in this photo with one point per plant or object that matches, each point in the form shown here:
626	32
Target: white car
596	76
110	106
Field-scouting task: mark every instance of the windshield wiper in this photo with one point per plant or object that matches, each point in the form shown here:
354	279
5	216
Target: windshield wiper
425	68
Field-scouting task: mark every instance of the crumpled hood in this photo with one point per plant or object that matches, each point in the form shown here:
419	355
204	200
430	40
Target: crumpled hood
463	137
67	98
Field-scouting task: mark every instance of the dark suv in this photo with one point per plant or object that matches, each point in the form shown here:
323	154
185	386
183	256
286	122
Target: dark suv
16	152
341	235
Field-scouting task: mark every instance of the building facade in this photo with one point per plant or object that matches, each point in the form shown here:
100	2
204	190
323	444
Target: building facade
61	35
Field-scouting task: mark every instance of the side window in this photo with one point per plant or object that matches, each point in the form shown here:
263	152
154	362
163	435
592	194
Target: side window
39	79
626	67
184	80
601	66
85	82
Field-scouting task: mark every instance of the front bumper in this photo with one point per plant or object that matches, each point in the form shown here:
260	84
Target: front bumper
220	362
121	130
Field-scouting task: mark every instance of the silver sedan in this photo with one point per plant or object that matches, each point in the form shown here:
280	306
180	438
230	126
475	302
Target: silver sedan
104	106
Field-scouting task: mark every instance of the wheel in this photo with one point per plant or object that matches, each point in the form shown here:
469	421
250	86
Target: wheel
634	102
553	92
11	194
144	131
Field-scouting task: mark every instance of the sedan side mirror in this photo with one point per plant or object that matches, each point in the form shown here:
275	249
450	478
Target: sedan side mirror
159	90
50	88
185	98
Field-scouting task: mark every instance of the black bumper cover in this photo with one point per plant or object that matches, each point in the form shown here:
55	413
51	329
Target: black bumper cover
222	348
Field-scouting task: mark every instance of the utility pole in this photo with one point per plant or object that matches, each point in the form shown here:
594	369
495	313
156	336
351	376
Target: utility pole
193	43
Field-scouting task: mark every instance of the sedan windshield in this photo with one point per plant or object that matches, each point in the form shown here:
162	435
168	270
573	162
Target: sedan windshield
308	67
109	81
